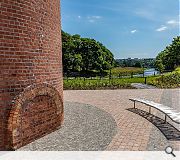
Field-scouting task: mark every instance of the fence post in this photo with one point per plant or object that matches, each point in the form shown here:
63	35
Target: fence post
100	77
131	74
145	80
162	77
110	75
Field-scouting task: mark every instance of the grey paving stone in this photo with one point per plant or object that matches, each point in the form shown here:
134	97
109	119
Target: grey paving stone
85	128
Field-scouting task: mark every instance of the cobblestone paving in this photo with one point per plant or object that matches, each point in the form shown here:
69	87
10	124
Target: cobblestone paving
85	128
134	132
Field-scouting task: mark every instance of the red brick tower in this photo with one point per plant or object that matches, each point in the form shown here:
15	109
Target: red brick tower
31	84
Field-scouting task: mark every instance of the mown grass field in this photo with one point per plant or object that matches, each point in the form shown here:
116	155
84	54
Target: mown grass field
125	71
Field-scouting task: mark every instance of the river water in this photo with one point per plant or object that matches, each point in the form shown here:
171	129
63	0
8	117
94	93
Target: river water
149	72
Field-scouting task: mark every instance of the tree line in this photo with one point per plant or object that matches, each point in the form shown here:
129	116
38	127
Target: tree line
169	58
136	62
84	55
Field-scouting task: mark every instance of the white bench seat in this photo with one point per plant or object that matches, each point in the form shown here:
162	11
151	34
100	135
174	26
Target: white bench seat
173	114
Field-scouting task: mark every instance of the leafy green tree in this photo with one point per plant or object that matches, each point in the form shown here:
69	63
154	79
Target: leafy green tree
84	54
138	64
169	59
67	49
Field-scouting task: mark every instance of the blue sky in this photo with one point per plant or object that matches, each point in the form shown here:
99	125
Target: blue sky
129	28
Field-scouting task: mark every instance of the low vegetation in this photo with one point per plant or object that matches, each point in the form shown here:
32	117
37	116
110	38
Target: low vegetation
93	84
169	80
117	78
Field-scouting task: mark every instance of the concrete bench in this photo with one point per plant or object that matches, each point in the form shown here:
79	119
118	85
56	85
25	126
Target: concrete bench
173	114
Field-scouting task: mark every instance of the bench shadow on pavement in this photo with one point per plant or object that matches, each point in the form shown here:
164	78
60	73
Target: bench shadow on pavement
169	131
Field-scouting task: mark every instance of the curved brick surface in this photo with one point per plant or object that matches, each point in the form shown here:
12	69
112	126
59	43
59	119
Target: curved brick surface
30	51
35	112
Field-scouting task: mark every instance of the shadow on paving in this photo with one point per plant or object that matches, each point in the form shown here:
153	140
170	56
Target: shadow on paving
85	128
169	131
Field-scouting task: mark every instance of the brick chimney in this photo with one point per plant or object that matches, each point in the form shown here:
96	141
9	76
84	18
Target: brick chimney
31	81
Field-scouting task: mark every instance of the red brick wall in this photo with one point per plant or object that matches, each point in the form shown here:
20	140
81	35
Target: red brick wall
30	52
35	124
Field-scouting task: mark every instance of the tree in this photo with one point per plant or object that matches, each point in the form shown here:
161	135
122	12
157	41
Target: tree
67	50
84	54
138	64
169	58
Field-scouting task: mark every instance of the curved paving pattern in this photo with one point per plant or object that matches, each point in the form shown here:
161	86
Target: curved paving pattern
90	128
134	133
85	128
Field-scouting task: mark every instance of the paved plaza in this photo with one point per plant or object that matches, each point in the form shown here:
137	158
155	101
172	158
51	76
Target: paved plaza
105	120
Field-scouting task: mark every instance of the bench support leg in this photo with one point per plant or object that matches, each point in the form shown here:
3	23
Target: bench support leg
149	109
165	118
134	104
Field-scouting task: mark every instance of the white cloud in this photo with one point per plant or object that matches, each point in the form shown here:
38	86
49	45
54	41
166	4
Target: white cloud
92	19
96	17
145	14
79	17
133	31
173	22
169	24
162	28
